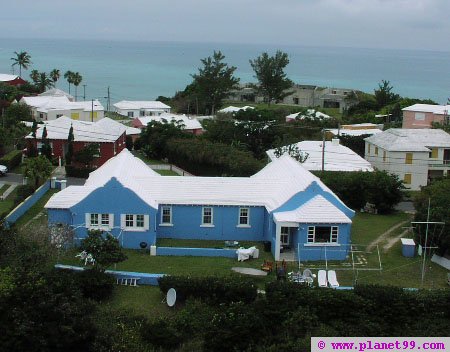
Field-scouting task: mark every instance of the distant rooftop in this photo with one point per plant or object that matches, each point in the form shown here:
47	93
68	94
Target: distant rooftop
410	140
140	104
4	77
435	109
190	123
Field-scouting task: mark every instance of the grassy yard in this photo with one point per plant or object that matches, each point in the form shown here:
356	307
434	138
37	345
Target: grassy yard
142	156
36	216
7	204
3	189
167	172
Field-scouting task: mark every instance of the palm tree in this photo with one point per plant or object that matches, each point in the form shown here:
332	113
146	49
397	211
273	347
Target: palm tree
76	80
34	75
22	59
44	82
55	74
69	77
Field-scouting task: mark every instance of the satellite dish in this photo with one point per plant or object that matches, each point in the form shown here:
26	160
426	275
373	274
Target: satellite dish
171	297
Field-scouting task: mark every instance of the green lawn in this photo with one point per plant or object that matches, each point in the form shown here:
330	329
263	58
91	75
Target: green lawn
167	173
7	204
36	215
142	156
3	189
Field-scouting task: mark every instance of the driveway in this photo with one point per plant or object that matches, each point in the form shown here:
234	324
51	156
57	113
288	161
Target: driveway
11	178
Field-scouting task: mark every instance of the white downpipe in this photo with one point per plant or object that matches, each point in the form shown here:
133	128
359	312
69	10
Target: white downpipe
277	241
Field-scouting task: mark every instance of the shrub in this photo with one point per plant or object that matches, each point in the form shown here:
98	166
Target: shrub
129	142
12	159
23	192
218	290
72	171
95	284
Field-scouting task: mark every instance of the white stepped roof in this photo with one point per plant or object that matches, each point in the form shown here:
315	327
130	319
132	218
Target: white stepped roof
313	211
271	187
231	109
55	92
410	140
140	104
47	103
190	123
435	109
4	77
104	130
310	113
132	130
337	157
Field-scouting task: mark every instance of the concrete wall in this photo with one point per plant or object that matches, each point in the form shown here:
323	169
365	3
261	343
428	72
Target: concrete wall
23	207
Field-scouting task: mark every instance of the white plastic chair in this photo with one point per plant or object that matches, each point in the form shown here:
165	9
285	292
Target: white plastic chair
322	278
332	280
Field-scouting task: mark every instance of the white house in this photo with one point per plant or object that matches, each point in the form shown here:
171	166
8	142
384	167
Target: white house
134	109
355	130
414	155
336	157
47	108
189	124
232	109
55	92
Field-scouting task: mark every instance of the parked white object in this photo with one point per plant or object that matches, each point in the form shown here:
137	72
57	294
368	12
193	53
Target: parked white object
244	253
322	278
171	297
332	280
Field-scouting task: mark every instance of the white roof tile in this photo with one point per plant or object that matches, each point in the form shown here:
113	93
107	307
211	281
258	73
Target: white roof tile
140	104
337	157
190	123
55	92
4	77
47	103
410	140
435	109
231	109
271	187
316	210
104	130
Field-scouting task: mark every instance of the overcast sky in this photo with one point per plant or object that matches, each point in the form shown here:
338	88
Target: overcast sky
415	24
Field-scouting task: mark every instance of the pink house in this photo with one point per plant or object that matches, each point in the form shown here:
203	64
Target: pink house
423	115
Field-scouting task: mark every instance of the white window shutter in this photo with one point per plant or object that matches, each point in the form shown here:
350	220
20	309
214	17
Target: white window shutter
122	221
111	221
88	220
146	222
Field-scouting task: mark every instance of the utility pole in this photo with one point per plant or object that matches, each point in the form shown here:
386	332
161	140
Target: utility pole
92	111
323	150
84	92
108	102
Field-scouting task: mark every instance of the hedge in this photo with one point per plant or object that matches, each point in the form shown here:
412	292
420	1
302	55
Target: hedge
12	159
72	171
219	290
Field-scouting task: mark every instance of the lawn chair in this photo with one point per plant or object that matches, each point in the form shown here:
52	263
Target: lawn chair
267	266
308	277
322	278
332	280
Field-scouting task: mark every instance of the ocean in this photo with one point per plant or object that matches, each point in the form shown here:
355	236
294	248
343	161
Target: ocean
145	70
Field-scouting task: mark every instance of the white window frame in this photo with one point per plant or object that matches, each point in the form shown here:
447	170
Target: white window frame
104	221
333	240
207	224
133	219
166	223
130	114
247	217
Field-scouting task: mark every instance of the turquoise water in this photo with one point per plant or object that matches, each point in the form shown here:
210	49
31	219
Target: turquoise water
144	70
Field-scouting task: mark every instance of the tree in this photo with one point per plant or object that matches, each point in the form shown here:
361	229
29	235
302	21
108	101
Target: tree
105	250
43	82
384	95
214	81
272	80
76	80
69	77
70	139
293	151
34	75
439	194
46	148
87	155
16	113
55	74
34	128
38	169
22	59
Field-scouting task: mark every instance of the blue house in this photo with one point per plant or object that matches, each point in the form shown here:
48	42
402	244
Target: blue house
283	203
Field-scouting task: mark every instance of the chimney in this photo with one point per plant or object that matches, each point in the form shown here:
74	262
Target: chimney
335	141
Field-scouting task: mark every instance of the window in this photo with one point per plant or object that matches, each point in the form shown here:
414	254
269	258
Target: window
368	149
244	217
105	219
323	234
166	214
130	113
384	156
94	220
135	222
434	153
99	221
409	158
58	115
75	116
407	179
139	220
142	113
284	236
207	216
129	220
420	116
376	150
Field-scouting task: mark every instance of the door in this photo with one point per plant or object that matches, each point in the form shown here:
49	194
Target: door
285	236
